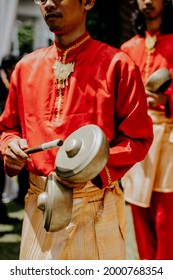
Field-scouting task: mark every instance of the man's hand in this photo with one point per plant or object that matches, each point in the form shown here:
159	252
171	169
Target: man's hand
155	99
14	155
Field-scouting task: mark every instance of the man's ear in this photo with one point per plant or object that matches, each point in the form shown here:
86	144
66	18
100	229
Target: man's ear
89	4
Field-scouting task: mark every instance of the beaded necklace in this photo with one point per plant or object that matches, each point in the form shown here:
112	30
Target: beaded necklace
150	42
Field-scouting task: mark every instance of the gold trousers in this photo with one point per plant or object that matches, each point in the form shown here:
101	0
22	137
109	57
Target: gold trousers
96	231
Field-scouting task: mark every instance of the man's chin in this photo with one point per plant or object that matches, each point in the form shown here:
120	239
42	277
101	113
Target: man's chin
55	30
149	15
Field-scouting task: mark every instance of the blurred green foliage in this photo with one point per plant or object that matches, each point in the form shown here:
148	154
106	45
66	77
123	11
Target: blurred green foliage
25	35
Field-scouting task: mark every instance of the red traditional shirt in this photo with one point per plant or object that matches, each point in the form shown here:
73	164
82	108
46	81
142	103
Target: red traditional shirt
160	57
105	89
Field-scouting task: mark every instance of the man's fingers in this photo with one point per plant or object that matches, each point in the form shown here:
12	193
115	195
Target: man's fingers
14	148
15	165
23	144
151	94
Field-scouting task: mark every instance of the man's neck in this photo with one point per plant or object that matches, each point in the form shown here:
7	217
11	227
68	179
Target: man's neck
154	25
65	40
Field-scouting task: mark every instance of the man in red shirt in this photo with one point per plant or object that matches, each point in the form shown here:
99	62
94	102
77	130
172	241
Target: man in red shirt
149	185
102	87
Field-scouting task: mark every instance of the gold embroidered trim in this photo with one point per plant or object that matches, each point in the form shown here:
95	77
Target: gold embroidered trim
72	48
58	104
108	175
150	42
62	72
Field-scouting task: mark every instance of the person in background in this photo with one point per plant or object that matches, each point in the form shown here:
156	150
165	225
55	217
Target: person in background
7	67
101	86
148	186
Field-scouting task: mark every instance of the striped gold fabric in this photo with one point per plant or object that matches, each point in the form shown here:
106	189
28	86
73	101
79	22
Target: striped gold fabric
96	231
154	173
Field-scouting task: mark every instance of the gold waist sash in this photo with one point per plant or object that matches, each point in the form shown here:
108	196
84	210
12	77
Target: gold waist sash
152	174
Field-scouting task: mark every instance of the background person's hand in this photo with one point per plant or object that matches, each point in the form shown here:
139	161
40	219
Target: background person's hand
155	99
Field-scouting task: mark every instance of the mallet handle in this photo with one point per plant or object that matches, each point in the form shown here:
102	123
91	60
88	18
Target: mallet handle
44	146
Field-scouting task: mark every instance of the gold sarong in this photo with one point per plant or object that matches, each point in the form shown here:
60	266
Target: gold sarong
154	173
96	231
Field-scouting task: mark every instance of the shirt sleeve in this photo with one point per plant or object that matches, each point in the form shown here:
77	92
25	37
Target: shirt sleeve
133	126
